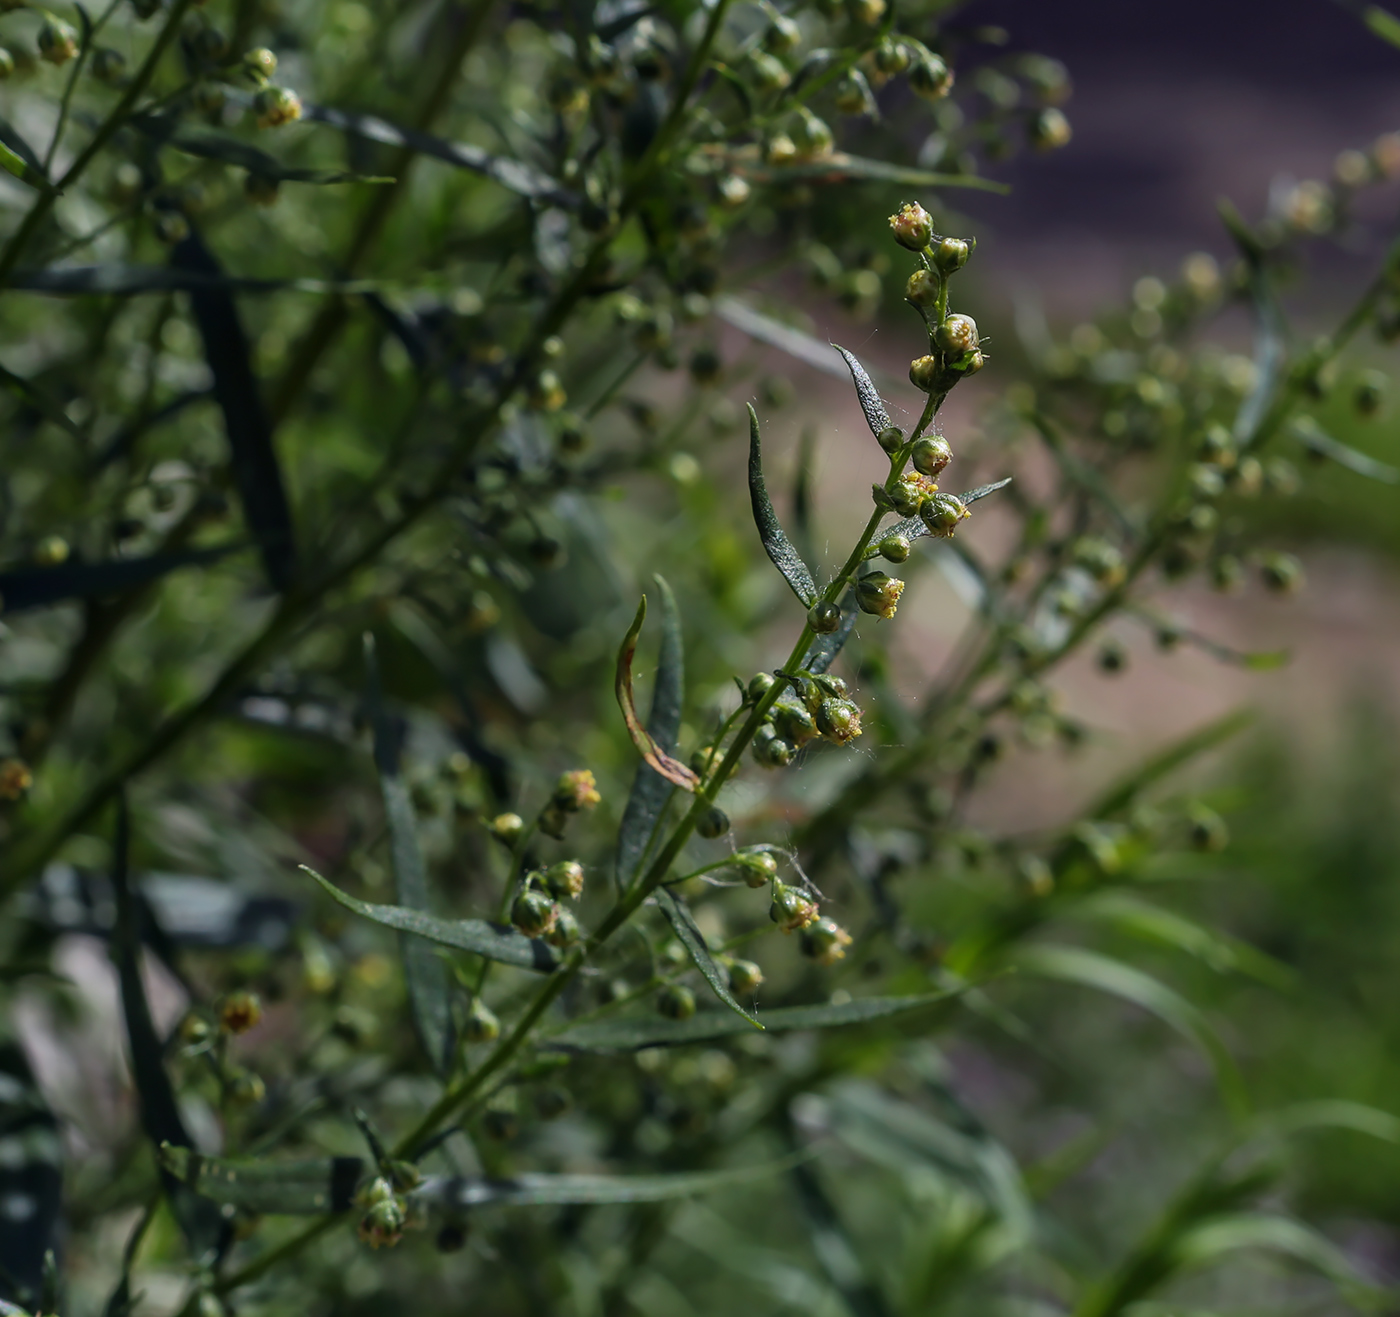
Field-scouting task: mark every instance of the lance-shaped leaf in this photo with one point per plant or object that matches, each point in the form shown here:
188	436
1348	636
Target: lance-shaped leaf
671	769
268	1188
512	175
492	941
825	648
913	527
650	790
876	417
31	1173
693	940
160	1114
779	548
38	587
423	970
630	1034
838	167
1316	440
231	151
253	460
456	1192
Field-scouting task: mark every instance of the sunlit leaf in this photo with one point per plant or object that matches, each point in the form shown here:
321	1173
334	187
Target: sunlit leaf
871	404
838	167
775	543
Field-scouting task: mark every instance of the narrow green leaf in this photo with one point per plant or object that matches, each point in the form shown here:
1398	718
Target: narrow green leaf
424	972
252	457
1327	1114
662	763
497	942
120	1302
871	404
1270	350
1312	436
631	1033
268	1188
841	168
13	163
1383	23
785	558
565	1190
650	790
981	492
230	151
1089	969
693	940
38	587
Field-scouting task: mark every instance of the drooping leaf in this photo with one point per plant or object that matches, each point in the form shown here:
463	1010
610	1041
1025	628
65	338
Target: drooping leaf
230	151
522	179
429	992
913	528
31	1175
1316	440
693	940
801	346
825	648
632	1033
785	558
564	1190
650	790
876	417
671	769
493	941
253	459
288	1188
1089	969
202	1224
39	587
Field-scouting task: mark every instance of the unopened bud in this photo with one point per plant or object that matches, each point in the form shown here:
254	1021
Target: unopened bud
825	941
507	828
260	64
931	455
1049	130
958	333
853	94
895	548
1281	573
733	190
275	106
385	1217
768	72
912	226
783	34
576	790
824	617
891	438
533	913
791	908
1369	393
564	880
1207	829
1112	658
240	1012
772	750
108	65
930	77
759	686
756	867
793	721
744	978
951	254
891	57
675	1002
714	822
566	929
811	135
57	41
879	594
924	373
839	720
246	1088
923	289
941	514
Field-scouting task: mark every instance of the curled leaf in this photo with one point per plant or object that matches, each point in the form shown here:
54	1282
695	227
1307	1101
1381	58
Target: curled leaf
779	548
876	417
671	769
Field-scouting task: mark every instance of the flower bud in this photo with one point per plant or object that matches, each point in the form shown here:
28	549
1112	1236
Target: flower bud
931	455
507	828
895	548
782	34
757	868
240	1012
853	95
576	790
824	617
1100	559
1049	130
772	750
275	106
924	373
839	720
15	779
108	65
245	1088
564	880
923	289
970	363
811	135
878	594
384	1218
675	1002
1369	393
260	64
1227	573
951	254
744	977
1112	658
714	822
1282	573
768	73
57	41
791	908
481	1024
930	77
793	721
958	333
941	514
533	913
891	439
759	686
891	57
825	941
566	930
733	190
912	226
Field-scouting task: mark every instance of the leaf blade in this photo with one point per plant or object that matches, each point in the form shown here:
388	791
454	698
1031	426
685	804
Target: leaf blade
775	543
693	940
871	404
268	1188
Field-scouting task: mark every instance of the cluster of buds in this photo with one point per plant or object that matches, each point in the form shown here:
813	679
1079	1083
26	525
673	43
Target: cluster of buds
928	73
536	912
576	791
954	344
818	705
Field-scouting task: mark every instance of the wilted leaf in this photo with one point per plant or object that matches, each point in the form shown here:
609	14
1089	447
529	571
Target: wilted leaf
671	769
683	924
268	1188
38	587
785	558
650	790
493	941
876	417
630	1034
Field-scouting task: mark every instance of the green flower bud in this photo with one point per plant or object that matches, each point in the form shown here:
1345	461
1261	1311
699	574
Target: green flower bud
825	941
772	750
675	1002
895	548
260	64
931	455
714	822
1205	482
507	828
1100	559
941	514
829	684
564	880
824	617
1217	446
481	1024
759	686
758	868
57	41
275	106
878	594
566	930
923	289
1049	130
791	908
108	65
1370	391
245	1088
239	1012
951	254
706	759
1207	829
385	1216
811	135
891	57
958	333
891	439
930	77
924	373
768	73
1282	573
970	364
909	493
839	720
533	913
1112	658
744	978
912	226
1227	573
782	34
853	95
781	150
793	722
